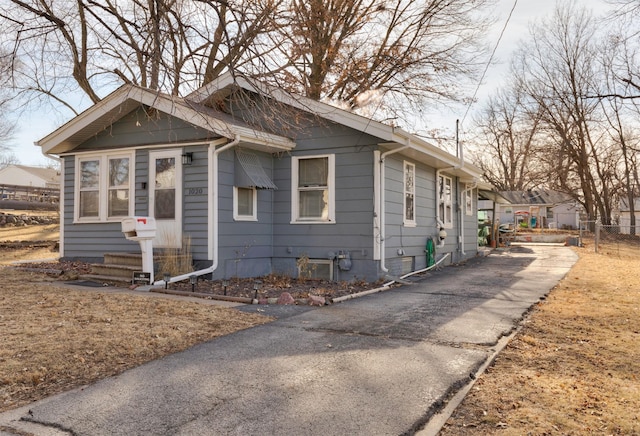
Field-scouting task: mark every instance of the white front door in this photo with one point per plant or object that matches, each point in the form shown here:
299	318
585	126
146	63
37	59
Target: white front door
165	197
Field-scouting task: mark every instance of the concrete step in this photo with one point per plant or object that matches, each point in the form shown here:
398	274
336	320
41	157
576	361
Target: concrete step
133	259
101	278
118	271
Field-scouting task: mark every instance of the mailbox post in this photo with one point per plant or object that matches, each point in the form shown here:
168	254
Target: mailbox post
142	229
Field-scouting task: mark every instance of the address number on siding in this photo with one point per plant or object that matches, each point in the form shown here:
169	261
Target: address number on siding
195	191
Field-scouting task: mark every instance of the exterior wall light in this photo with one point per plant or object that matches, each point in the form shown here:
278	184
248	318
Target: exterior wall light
187	158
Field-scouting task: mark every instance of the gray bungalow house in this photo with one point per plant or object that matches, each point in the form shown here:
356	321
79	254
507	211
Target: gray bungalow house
262	182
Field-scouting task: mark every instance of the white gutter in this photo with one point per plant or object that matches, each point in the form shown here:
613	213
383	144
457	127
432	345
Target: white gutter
381	206
213	197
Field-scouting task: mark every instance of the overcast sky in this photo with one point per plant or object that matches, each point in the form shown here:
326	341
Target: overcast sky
525	13
35	126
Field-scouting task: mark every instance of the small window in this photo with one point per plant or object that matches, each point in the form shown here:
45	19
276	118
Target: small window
245	204
313	189
89	201
409	194
118	201
468	201
445	201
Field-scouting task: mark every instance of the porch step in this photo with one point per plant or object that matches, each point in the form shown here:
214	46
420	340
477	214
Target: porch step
119	266
116	272
100	278
133	259
116	267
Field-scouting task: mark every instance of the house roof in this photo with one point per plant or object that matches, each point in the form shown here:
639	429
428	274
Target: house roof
46	174
392	138
128	97
198	109
536	197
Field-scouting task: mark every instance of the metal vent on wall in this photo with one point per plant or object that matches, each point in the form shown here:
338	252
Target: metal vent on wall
249	172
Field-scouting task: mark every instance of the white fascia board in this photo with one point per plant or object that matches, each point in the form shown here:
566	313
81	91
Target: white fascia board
84	119
446	161
109	110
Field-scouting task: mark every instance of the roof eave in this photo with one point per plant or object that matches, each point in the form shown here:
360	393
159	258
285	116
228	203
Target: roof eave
126	98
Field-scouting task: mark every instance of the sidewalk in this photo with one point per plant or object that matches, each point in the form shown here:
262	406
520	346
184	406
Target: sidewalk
383	364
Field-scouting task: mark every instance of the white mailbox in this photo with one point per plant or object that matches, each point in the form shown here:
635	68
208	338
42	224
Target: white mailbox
137	228
142	229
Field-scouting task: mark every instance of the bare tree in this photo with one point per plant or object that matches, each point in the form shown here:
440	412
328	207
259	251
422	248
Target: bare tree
353	51
621	115
559	69
167	45
337	50
509	131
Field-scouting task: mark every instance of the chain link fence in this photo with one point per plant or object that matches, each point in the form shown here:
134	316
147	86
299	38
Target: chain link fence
614	234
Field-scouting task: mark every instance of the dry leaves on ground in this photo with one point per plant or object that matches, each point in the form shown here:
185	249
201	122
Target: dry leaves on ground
574	367
54	339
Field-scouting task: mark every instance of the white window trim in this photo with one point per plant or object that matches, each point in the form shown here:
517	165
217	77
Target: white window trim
468	200
405	221
103	186
446	224
236	214
295	206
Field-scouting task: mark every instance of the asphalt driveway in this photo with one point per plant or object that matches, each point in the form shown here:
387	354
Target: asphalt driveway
377	365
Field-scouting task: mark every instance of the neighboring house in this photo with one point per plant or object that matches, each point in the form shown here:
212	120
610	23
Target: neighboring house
625	216
540	208
21	182
22	175
262	182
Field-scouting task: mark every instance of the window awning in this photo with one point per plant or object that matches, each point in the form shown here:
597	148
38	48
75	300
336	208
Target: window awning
249	172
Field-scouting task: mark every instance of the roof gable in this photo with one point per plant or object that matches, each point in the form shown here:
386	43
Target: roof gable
536	197
128	98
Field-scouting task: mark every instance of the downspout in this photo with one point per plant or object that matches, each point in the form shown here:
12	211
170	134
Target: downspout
213	154
383	156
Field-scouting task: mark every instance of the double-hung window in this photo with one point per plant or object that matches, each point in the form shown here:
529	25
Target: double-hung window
103	187
468	201
445	200
409	194
313	189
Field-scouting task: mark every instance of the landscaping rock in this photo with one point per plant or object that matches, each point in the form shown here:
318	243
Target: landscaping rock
316	300
10	220
286	298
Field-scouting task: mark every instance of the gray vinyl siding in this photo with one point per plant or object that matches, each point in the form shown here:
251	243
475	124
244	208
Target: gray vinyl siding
144	127
88	241
273	244
406	241
353	228
245	247
195	212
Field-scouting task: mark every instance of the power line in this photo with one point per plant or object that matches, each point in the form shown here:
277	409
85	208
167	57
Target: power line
493	53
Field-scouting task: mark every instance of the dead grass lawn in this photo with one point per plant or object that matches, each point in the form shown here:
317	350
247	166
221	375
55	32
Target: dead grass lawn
53	339
573	368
